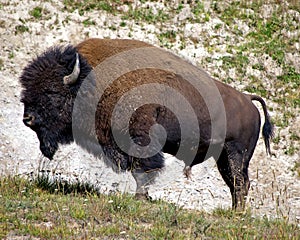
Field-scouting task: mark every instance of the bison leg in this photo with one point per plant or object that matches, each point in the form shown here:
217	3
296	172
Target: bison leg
233	166
143	181
187	171
146	166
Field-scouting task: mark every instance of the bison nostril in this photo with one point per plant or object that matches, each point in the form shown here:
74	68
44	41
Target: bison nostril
28	119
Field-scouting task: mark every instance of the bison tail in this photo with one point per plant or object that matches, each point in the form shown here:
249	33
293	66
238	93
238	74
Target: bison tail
268	128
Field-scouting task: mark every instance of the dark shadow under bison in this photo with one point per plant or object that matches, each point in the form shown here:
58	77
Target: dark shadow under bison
53	82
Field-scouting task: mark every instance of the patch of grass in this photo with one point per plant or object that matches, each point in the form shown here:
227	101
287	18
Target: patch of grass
199	13
88	22
27	209
267	37
230	13
11	55
179	8
89	5
198	8
218	26
258	67
39	13
256	86
283	120
167	38
238	61
294	136
276	139
146	15
290	77
138	14
21	29
291	150
123	24
36	12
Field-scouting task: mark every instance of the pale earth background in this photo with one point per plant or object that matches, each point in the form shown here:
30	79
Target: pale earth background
275	188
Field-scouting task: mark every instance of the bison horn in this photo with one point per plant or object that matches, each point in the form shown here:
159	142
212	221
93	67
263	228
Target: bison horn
72	78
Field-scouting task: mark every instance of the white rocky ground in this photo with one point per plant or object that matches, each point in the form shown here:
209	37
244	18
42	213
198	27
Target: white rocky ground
275	190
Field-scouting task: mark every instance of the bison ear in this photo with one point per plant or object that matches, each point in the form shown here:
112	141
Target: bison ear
72	78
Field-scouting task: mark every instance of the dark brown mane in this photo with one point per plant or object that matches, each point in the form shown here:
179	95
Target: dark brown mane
57	61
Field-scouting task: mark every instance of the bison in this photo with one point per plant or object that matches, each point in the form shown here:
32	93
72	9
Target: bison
52	84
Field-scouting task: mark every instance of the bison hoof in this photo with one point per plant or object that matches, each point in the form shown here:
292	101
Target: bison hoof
187	171
143	196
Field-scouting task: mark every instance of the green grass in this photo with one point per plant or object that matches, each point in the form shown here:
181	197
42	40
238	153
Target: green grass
36	12
167	38
21	29
33	209
88	5
88	22
139	14
11	55
145	15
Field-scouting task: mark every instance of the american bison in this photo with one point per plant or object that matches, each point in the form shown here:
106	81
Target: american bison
53	82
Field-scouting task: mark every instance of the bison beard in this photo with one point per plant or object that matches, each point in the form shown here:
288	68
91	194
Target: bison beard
51	83
49	141
48	145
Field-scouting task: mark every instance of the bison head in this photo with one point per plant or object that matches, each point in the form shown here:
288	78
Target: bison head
50	83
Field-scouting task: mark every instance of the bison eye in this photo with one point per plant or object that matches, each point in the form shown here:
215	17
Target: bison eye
29	120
